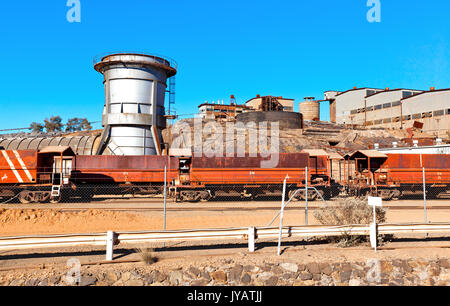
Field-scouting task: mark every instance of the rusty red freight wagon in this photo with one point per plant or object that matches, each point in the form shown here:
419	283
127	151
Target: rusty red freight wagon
246	177
34	176
392	176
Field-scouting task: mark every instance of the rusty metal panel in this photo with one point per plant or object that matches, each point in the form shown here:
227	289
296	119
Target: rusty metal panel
248	170
117	169
435	161
285	160
18	166
111	162
407	168
246	176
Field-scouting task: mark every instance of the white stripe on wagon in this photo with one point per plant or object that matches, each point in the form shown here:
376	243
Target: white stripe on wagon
23	165
11	165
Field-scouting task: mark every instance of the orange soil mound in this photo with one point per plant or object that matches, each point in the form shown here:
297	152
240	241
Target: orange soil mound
47	221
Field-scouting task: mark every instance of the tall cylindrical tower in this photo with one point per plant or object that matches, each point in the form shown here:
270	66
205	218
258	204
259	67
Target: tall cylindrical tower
133	114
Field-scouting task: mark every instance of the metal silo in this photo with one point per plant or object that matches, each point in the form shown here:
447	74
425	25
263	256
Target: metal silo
310	109
133	115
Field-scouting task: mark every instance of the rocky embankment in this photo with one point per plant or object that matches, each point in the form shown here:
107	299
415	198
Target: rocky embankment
229	272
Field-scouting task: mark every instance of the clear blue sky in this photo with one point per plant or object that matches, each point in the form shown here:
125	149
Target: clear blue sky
292	48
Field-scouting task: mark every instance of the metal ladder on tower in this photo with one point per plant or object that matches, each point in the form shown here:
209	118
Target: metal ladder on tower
171	110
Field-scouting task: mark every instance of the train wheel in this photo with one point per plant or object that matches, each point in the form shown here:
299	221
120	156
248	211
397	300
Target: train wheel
205	196
322	195
55	200
44	196
26	197
396	194
189	196
291	193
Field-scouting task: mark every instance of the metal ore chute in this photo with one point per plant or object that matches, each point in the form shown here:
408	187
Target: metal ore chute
133	114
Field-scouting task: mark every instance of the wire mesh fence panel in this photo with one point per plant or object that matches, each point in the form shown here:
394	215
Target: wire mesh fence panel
230	202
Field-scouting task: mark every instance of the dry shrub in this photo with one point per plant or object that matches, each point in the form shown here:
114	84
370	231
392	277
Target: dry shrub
147	255
350	211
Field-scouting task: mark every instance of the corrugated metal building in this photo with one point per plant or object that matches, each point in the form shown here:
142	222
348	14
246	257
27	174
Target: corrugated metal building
397	108
350	105
383	109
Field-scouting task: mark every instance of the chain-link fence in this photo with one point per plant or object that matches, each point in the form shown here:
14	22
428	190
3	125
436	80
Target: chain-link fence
246	203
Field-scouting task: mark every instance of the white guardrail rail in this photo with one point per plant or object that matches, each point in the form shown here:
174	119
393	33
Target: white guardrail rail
251	234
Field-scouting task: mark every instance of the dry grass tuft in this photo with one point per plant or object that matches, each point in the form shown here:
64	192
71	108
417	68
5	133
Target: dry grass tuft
147	255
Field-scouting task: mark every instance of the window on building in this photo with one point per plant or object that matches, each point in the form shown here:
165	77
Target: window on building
387	120
438	113
369	123
354	111
427	115
378	121
379	106
370	92
386	105
416	116
396	119
396	103
369	108
448	111
407	94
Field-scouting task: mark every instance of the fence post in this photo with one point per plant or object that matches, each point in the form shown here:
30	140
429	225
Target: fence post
306	196
165	196
251	239
424	200
424	196
281	217
109	245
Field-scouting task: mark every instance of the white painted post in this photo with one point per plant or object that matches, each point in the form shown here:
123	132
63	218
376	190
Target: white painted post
373	236
251	239
375	202
109	245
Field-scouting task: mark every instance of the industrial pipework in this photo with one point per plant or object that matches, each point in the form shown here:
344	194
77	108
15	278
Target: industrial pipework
133	114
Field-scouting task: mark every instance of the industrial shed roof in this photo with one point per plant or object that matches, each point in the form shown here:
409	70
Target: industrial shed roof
368	153
335	156
316	152
57	149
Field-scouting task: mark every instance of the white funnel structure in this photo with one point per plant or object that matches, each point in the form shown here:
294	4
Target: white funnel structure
133	114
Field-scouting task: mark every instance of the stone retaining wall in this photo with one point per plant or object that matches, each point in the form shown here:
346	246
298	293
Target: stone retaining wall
395	272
